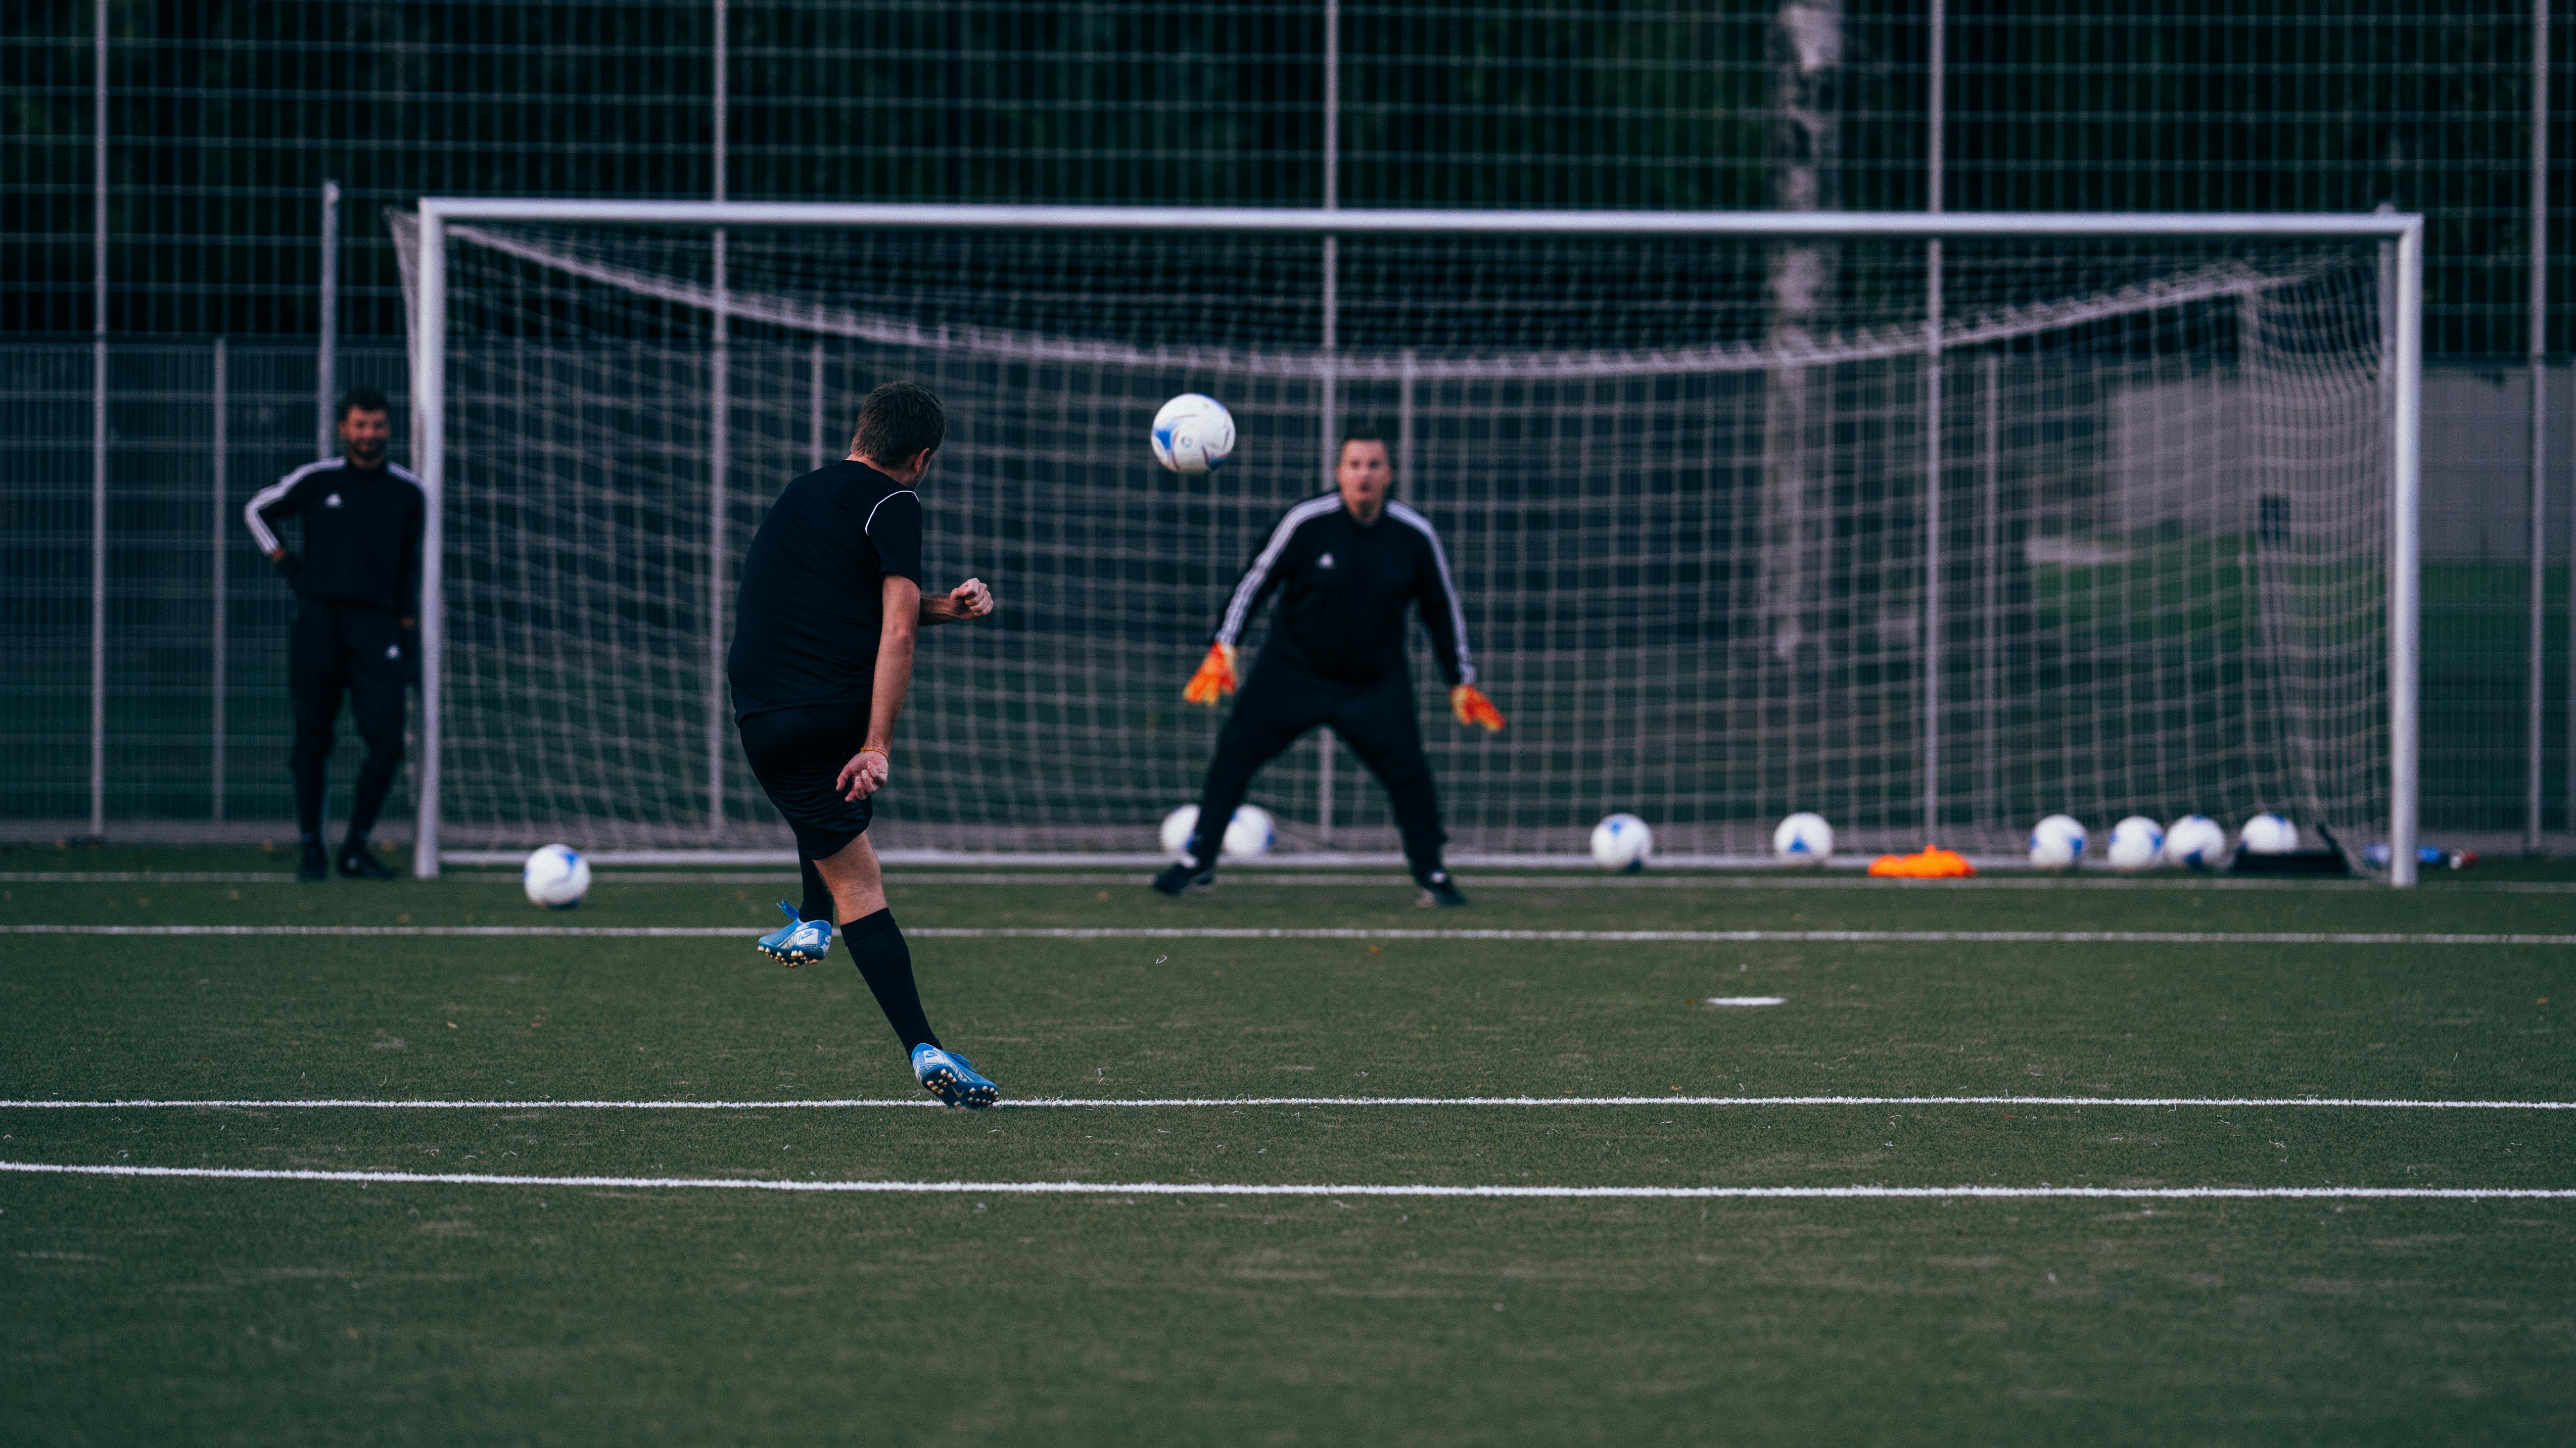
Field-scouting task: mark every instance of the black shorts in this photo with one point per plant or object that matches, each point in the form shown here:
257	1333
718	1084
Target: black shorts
797	754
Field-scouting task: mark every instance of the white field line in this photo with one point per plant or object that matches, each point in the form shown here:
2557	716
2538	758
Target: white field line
1747	1000
1783	880
1060	1102
1255	877
146	877
1115	932
1288	1189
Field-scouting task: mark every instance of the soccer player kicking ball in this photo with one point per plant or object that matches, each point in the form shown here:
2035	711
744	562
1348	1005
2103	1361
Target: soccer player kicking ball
1345	565
822	655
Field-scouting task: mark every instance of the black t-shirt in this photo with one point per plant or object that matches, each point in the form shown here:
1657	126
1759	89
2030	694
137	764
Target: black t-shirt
813	589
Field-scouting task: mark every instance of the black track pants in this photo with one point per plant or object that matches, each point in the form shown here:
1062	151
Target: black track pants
1280	703
337	649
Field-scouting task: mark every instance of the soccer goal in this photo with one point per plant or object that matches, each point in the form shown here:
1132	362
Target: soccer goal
1932	524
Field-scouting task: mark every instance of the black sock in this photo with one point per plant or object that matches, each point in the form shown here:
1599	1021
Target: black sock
817	904
355	844
876	947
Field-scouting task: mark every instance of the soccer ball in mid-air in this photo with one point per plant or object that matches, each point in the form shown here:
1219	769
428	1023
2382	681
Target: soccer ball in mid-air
2195	842
1622	842
1193	434
1250	833
1803	839
2268	834
556	876
2136	842
2057	842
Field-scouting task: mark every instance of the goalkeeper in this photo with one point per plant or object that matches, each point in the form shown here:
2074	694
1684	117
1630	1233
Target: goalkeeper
1345	566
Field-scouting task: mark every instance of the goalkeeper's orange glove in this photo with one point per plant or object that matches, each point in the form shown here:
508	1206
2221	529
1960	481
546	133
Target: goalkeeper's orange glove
1215	678
1472	707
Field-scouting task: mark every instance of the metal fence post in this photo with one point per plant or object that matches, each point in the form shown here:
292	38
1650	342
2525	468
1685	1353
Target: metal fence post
98	436
1989	556
326	358
719	410
1325	380
222	596
2537	662
1932	446
816	407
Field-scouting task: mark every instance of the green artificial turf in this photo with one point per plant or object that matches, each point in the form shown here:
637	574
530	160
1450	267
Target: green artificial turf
309	1311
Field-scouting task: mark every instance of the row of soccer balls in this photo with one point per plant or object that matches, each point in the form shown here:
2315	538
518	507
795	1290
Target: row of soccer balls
557	877
2194	842
1625	842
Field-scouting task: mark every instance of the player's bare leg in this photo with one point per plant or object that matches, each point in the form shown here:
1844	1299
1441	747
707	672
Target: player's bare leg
856	880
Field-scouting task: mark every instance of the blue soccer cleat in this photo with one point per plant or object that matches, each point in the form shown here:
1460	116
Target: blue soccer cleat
798	942
952	1078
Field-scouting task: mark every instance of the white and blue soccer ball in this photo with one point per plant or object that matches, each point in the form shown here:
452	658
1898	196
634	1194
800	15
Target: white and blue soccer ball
2057	842
2195	842
1249	834
2136	843
1803	839
2268	834
1622	842
1193	434
1178	826
556	876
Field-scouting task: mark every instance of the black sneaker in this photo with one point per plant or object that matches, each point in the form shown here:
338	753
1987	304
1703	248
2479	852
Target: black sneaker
1185	877
1438	890
360	863
315	865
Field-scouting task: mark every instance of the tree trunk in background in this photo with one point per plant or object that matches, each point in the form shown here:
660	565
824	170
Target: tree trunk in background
1806	57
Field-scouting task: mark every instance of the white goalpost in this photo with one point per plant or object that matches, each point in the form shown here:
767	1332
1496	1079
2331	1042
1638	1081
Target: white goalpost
1750	512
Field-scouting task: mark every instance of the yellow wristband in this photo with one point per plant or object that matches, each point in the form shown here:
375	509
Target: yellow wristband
879	753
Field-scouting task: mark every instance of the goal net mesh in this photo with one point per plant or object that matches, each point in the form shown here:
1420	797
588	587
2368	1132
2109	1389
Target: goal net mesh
1686	485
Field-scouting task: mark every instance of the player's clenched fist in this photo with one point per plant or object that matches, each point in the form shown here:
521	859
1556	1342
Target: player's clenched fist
1215	678
1472	707
971	599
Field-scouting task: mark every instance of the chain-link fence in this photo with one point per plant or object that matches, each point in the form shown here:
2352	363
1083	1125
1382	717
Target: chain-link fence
188	682
223	122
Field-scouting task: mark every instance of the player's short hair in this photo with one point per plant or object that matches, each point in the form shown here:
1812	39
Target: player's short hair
899	421
361	399
1362	434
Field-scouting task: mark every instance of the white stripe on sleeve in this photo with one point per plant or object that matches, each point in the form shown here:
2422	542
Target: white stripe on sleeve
1448	587
270	496
881	502
1239	609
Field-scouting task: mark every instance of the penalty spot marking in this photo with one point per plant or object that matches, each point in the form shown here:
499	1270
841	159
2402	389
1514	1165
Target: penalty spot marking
1218	932
1290	1189
1064	1102
1747	1000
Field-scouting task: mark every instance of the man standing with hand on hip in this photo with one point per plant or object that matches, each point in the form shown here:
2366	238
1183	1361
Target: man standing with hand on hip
357	619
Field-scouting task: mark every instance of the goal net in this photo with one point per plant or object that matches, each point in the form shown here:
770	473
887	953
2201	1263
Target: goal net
1930	540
